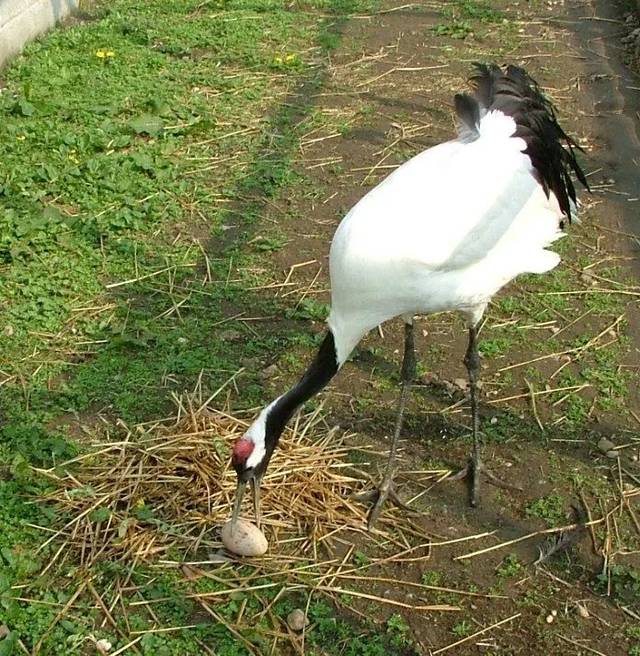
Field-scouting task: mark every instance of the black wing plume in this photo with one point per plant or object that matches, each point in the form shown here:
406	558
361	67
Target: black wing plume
515	93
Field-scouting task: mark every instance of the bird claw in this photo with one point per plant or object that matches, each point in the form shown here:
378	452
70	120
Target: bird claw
473	470
378	497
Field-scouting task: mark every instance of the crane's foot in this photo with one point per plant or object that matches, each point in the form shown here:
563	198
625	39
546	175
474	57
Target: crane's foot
473	472
378	497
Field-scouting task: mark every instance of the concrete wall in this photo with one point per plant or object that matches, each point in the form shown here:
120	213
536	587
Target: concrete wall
24	20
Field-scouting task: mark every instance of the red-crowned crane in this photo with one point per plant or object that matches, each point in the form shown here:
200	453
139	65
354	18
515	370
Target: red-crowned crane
445	231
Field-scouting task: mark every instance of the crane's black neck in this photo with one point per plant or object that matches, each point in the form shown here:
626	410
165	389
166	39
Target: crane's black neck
323	368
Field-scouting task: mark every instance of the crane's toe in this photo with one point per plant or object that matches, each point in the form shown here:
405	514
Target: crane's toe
378	497
472	473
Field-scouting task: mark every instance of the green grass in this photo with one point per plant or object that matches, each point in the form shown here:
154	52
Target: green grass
552	509
128	167
465	17
509	567
462	629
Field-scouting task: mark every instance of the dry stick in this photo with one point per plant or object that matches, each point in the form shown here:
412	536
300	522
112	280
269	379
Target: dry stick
475	635
377	165
250	648
113	285
213	396
595	290
629	612
309	288
424	586
579	644
59	616
306	614
127	646
204	647
574	351
24	649
635	479
75	520
398	69
571	388
533	404
392	602
107	614
592	533
522	538
165	629
411	5
634	519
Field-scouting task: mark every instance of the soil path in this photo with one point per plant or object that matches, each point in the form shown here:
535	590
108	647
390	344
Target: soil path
389	95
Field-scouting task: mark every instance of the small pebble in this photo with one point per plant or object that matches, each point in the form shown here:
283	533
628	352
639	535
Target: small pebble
246	539
612	454
605	445
588	278
104	646
550	618
269	372
230	335
297	620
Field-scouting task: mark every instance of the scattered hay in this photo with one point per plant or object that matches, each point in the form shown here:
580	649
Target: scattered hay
169	486
157	495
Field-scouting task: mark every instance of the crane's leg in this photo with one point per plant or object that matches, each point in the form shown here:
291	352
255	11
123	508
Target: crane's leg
472	362
386	488
475	468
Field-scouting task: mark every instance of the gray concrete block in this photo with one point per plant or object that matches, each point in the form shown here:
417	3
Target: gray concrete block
23	20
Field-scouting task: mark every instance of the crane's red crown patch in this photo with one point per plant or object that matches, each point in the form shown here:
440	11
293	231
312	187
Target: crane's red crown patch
242	449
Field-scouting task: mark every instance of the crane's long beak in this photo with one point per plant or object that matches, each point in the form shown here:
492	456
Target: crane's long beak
242	486
255	488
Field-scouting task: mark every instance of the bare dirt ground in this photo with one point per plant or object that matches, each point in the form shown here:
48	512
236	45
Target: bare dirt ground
561	352
389	95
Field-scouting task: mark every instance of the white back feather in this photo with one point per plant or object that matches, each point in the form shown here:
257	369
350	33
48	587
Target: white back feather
445	231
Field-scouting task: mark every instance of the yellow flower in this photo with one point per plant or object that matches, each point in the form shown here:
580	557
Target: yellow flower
277	59
290	58
20	137
104	54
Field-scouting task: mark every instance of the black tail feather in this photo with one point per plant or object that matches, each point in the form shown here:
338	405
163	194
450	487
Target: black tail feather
515	93
468	111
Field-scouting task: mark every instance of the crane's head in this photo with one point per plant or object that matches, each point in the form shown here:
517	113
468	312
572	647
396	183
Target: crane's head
250	456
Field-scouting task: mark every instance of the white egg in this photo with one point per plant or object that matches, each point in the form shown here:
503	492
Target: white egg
245	539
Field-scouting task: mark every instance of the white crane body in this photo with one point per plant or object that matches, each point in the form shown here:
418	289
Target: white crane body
445	231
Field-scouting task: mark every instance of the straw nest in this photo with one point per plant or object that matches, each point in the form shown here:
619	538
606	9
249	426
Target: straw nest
156	495
169	485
